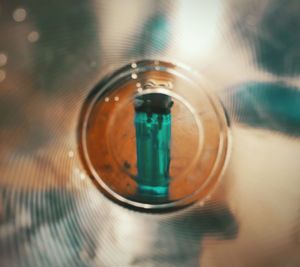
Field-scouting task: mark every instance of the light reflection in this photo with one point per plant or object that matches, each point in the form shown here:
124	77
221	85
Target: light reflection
33	37
3	59
2	75
71	154
19	14
134	76
196	38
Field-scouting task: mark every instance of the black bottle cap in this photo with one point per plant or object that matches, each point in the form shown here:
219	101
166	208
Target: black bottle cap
153	103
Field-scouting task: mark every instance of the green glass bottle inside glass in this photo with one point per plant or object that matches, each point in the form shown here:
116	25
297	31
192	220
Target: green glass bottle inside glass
153	122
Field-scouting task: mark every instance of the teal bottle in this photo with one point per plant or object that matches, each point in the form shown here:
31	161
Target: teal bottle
153	140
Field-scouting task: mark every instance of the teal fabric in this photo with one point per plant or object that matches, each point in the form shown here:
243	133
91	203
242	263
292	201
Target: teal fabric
272	106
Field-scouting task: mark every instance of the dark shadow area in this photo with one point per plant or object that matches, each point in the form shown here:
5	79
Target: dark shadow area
178	241
274	33
40	226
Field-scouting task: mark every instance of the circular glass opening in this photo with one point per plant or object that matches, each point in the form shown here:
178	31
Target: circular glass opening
152	137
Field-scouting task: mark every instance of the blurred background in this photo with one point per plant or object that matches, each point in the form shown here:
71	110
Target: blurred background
53	53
